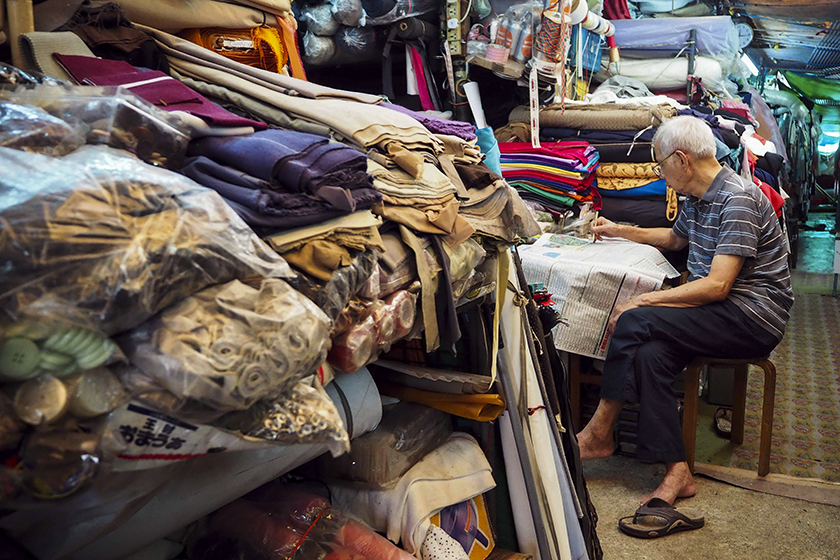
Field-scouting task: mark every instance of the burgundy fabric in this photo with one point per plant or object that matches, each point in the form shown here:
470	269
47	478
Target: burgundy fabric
169	94
616	9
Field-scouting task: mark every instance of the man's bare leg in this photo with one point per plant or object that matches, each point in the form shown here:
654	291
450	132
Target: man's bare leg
678	483
596	438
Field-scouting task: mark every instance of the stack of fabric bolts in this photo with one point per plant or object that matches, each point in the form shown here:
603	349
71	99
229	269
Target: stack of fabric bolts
556	175
280	179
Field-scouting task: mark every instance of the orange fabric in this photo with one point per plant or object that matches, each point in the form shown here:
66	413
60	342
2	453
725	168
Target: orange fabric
267	53
288	29
483	408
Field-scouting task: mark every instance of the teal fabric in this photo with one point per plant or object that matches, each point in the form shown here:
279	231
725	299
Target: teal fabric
490	148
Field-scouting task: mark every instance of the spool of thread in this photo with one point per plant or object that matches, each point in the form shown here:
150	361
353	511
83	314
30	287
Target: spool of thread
497	53
413	28
547	41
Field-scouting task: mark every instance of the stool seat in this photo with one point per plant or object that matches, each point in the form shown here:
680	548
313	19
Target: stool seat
692	390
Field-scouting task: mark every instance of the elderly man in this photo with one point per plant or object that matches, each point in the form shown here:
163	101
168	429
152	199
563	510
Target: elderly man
735	305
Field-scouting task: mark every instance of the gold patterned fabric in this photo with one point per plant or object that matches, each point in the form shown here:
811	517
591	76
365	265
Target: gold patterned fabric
260	47
627	170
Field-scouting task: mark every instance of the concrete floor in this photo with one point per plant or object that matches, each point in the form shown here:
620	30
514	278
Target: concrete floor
740	524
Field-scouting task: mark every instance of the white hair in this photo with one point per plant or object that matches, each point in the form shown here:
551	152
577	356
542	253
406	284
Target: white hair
688	134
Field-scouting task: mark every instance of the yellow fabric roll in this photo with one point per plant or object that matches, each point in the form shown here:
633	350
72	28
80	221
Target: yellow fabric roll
260	47
627	170
482	408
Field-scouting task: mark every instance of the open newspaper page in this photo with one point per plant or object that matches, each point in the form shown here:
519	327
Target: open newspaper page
587	280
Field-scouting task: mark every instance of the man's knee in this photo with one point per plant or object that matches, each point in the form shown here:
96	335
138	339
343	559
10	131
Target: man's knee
633	320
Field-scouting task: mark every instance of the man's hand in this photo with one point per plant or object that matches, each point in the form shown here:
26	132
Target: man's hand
618	310
605	228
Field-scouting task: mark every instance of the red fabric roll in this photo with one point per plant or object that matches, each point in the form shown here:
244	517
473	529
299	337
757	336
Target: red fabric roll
616	9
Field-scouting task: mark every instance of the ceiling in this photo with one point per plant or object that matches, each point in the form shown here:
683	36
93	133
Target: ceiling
800	38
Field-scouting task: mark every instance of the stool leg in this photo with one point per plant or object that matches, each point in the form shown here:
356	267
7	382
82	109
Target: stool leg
574	389
739	403
692	388
767	417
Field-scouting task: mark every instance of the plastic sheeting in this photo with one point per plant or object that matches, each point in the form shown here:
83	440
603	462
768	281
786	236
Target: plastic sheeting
716	36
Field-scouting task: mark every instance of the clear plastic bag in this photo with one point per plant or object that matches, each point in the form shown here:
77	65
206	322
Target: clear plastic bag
349	12
318	50
366	329
34	130
303	415
319	20
343	285
230	346
287	523
407	432
101	240
401	9
9	75
112	116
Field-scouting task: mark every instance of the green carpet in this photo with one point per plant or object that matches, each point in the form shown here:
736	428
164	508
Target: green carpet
806	424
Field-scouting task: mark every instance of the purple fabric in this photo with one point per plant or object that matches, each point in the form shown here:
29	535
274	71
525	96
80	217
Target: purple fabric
294	162
169	94
263	208
436	125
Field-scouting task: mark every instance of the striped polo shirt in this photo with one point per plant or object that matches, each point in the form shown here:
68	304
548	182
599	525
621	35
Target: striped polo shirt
735	218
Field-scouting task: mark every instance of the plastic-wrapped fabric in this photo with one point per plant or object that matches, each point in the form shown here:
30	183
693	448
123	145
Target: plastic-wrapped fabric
319	20
371	330
407	432
355	44
102	240
34	130
9	75
716	36
318	50
230	346
349	12
662	74
299	525
112	116
332	297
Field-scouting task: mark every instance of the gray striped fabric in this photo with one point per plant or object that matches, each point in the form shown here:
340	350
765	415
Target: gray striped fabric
735	218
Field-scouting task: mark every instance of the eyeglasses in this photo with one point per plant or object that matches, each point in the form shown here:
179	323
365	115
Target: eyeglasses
658	167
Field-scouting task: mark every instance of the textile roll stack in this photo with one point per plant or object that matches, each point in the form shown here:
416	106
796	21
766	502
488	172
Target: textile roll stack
555	175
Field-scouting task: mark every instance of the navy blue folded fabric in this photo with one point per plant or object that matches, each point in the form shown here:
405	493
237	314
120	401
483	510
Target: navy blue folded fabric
293	162
596	136
767	177
263	207
626	152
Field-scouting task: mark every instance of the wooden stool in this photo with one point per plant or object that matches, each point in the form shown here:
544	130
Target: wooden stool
692	390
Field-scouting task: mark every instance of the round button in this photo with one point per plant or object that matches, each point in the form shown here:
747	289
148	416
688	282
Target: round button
19	358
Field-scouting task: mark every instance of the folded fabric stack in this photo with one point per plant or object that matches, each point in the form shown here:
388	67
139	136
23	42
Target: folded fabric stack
203	117
493	207
555	175
425	204
321	249
281	179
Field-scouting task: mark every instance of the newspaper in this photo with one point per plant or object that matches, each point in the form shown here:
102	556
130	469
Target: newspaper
587	280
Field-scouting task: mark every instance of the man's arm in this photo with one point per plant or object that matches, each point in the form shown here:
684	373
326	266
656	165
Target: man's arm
663	239
712	288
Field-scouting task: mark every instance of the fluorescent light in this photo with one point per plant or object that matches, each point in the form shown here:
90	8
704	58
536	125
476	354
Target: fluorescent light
750	65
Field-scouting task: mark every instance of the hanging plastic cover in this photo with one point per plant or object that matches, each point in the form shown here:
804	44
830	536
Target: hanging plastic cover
101	240
661	37
384	12
228	347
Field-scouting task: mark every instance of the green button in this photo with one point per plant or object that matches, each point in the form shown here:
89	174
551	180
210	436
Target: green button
19	357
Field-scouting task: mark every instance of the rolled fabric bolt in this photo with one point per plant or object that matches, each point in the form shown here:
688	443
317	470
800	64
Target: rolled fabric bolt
413	28
496	53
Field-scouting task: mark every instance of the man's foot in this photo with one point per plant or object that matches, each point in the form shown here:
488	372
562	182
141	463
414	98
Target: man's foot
593	445
678	483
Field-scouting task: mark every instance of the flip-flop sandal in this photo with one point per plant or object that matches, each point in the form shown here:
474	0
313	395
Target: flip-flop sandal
723	421
657	518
